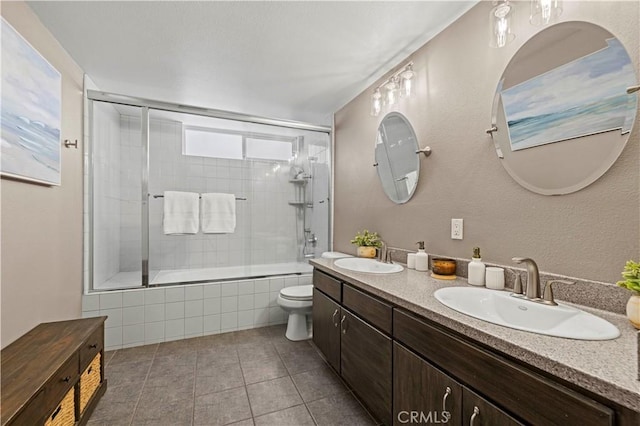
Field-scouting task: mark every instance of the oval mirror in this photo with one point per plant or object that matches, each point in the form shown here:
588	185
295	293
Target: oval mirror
562	113
396	159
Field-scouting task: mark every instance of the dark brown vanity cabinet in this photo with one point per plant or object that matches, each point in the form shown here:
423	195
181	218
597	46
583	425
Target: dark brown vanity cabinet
422	394
358	351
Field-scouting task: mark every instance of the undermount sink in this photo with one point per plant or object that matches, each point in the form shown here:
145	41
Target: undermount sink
501	308
370	266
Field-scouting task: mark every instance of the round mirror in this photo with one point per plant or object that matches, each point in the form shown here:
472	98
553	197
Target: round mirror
562	113
396	159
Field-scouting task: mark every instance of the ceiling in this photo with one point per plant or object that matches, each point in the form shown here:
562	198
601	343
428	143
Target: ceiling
300	60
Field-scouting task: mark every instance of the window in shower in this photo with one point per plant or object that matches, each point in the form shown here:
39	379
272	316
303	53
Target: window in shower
204	142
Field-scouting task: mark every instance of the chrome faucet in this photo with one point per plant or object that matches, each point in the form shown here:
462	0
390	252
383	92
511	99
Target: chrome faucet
533	277
384	253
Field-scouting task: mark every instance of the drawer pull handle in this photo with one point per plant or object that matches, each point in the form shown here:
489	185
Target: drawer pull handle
93	346
335	322
55	413
67	379
447	392
343	324
476	413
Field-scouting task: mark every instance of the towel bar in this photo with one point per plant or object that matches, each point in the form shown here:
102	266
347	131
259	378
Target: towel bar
237	198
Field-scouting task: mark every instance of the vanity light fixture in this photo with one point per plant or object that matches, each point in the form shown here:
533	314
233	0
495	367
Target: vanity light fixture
400	84
544	12
500	23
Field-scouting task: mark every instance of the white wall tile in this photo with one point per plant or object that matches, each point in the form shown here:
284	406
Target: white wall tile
133	298
245	302
261	317
290	281
113	337
90	314
261	286
229	304
273	298
114	317
229	289
306	279
211	324
276	315
276	284
193	308
174	310
153	296
133	315
154	331
245	287
211	306
193	292
174	294
211	290
261	300
91	302
154	313
229	321
193	326
173	329
133	334
245	319
111	300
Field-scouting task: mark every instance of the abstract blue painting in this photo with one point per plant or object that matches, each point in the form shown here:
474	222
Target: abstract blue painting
583	97
31	112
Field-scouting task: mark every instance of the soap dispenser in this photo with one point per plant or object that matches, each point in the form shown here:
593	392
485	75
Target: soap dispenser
476	269
422	258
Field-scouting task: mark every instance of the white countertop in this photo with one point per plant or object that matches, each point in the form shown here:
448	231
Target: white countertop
608	368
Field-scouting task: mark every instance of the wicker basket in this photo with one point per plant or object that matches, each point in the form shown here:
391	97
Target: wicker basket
89	382
64	414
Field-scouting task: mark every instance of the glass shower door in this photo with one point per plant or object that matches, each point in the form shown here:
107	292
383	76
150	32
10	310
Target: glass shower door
115	179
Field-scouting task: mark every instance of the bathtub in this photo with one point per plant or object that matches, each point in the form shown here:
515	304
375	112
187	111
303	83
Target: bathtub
183	304
127	280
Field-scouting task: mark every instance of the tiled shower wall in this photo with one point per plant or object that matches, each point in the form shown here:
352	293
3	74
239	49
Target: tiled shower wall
140	317
265	222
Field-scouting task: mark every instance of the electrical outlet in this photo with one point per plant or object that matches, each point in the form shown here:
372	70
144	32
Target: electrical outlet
457	227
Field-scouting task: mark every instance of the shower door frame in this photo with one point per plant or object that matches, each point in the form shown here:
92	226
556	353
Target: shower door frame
146	106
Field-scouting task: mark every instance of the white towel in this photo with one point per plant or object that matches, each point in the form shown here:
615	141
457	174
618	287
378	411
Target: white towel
218	213
181	212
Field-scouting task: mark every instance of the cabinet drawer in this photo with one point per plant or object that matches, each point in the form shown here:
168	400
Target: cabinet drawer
367	307
64	379
91	347
532	397
328	285
33	413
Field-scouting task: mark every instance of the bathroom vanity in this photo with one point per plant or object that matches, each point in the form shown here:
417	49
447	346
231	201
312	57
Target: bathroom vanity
412	360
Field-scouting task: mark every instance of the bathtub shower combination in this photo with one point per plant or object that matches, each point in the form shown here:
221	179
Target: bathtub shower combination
278	171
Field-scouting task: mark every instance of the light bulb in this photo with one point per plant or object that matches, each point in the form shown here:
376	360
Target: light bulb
376	103
543	12
392	91
500	24
407	78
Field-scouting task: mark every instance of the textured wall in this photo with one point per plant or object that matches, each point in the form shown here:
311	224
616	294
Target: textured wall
42	226
587	234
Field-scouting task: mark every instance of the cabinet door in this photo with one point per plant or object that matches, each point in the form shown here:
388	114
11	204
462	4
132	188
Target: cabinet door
477	411
326	327
422	394
366	364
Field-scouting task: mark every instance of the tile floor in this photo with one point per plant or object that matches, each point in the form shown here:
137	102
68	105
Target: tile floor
251	377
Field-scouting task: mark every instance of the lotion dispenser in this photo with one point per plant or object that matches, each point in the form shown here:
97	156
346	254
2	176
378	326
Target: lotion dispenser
422	258
476	271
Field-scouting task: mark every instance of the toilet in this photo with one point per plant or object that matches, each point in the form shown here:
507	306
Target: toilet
297	301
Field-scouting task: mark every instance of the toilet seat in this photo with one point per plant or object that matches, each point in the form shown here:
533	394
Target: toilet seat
300	292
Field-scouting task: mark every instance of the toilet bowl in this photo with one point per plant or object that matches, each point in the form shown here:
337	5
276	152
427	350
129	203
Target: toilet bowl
297	301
